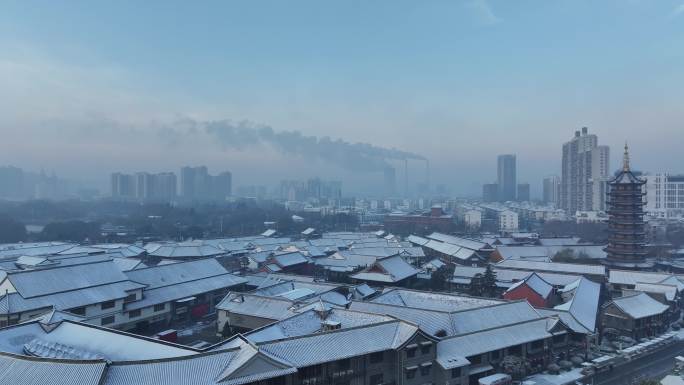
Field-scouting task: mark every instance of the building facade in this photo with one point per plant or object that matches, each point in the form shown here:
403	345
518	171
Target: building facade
523	192
585	173
506	177
551	190
664	195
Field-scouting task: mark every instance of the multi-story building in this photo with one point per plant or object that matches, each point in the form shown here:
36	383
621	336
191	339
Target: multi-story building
551	189
664	195
197	184
585	173
123	186
490	192
506	177
11	182
144	186
523	192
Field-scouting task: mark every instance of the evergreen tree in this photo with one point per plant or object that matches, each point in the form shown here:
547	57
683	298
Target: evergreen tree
477	285
489	282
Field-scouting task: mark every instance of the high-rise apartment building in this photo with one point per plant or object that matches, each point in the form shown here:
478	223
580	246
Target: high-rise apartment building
523	192
197	184
123	186
585	173
144	186
490	192
506	177
551	189
664	195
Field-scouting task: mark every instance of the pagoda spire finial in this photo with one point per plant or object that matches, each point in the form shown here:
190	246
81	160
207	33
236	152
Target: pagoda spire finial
625	159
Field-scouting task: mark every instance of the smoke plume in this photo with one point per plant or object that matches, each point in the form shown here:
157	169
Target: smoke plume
245	135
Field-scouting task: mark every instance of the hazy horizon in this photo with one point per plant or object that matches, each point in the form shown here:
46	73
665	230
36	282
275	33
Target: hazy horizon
98	88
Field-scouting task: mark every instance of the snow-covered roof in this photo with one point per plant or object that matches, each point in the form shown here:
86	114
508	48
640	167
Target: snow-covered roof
432	300
584	304
308	231
631	277
639	306
668	291
553	267
290	259
387	270
536	283
311	321
75	340
185	250
462	242
455	349
275	308
316	348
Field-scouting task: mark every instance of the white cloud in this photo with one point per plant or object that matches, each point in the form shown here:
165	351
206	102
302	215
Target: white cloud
483	11
678	11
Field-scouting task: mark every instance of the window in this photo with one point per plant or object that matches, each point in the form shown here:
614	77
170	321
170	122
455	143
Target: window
515	350
425	349
536	345
455	372
311	371
159	307
496	354
410	373
376	379
107	305
425	370
410	353
377	357
474	360
134	313
343	364
78	310
130	298
108	320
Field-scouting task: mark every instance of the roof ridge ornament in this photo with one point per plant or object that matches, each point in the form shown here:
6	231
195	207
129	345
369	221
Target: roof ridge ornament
625	159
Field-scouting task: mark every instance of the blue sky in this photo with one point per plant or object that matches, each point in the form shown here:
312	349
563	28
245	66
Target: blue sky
457	81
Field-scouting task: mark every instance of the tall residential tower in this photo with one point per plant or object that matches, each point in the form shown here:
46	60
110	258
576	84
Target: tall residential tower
585	173
506	178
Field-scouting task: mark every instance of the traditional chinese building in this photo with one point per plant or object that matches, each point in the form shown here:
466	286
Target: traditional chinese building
626	238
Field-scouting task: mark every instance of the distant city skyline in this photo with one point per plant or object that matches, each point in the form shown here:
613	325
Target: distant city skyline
451	81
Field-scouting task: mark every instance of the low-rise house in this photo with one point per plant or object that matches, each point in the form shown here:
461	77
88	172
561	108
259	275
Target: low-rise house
177	292
97	291
582	300
472	356
619	280
533	289
239	312
635	316
388	271
596	273
505	278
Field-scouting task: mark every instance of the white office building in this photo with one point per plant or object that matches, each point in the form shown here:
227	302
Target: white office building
664	195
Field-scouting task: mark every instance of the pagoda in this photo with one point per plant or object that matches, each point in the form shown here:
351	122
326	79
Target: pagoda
626	237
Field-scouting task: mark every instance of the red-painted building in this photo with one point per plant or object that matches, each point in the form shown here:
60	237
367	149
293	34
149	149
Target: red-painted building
534	289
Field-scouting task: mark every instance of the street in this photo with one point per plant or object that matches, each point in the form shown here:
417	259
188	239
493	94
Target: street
654	365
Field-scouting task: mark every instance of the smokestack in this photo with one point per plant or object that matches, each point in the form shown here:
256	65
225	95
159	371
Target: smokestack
406	178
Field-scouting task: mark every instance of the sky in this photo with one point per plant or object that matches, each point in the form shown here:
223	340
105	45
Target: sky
88	88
